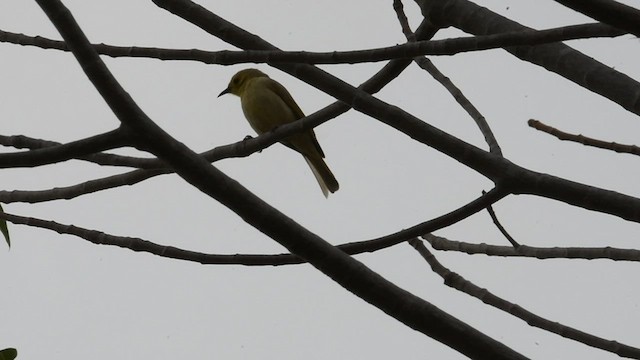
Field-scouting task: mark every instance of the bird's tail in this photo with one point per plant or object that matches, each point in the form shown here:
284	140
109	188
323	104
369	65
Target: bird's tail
326	180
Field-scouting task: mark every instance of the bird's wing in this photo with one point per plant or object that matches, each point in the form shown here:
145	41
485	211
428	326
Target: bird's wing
282	92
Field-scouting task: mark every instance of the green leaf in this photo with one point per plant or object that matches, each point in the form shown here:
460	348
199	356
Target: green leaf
5	231
8	354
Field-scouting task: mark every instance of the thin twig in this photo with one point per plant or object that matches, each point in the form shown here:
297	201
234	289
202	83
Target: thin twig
466	104
619	148
57	153
457	94
504	232
542	253
459	283
404	22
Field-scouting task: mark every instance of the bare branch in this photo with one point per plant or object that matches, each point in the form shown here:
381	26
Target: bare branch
607	11
141	245
57	153
439	222
616	254
427	65
619	148
404	22
406	51
466	104
26	142
559	58
504	232
73	191
459	283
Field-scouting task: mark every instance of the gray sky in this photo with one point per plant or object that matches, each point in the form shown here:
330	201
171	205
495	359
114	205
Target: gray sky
66	298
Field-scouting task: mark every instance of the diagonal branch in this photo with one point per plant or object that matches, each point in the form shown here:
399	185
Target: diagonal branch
608	11
503	231
459	283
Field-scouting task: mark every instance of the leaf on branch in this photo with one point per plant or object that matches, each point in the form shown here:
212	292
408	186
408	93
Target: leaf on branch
8	354
5	231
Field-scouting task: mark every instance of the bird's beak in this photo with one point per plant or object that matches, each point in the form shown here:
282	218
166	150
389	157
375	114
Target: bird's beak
225	91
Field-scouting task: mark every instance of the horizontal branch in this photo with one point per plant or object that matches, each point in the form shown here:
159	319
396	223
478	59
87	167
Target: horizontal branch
57	153
405	51
459	283
84	188
542	253
101	158
584	140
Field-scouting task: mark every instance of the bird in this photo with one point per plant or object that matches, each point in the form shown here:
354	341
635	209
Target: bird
267	104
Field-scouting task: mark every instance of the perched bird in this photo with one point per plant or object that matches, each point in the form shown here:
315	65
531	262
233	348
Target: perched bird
267	104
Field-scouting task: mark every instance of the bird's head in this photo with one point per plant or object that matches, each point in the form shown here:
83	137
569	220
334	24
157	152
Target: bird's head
240	79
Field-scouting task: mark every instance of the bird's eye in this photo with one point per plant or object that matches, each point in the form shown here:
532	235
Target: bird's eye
236	81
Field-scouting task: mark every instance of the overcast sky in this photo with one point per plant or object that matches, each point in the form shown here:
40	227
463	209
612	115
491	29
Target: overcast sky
65	298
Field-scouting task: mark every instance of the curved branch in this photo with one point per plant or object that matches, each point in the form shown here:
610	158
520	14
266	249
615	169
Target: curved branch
352	248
